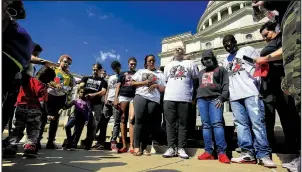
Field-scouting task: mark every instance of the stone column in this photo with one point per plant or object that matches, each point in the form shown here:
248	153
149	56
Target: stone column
210	22
218	16
241	5
203	27
230	10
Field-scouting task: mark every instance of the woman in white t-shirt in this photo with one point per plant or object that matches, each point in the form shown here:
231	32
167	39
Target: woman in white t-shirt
149	82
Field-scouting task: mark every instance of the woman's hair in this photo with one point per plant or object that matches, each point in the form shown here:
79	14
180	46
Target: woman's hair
132	59
65	56
46	74
115	64
145	64
98	66
80	89
270	26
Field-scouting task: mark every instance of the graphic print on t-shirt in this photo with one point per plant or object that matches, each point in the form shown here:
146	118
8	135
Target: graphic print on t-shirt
93	84
128	79
149	76
207	78
235	67
178	72
112	83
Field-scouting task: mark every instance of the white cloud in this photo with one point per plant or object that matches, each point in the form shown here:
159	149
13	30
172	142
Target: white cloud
90	13
105	55
126	50
104	17
85	42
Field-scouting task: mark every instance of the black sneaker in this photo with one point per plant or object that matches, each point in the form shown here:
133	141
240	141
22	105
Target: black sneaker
30	151
38	145
10	151
51	145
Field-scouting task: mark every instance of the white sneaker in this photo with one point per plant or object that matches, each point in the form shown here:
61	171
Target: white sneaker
170	153
182	153
293	165
245	158
267	162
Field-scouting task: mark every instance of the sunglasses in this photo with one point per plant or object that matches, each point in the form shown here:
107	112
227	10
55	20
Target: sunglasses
67	62
132	64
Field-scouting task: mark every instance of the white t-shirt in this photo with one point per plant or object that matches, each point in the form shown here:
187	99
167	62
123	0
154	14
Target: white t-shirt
158	78
179	76
242	84
112	83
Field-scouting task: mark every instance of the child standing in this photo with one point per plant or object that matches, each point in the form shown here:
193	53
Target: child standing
213	90
77	119
29	106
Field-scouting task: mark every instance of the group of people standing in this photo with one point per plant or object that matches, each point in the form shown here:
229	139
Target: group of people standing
255	84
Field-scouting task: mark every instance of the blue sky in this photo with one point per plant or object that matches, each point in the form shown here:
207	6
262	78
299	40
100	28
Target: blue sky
103	31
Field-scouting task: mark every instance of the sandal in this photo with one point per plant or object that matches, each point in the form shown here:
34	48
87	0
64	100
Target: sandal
147	153
131	151
123	150
139	153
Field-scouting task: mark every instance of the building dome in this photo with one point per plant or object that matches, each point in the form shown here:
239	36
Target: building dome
217	11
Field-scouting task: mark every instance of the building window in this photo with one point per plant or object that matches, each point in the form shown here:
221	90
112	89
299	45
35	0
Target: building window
208	45
249	37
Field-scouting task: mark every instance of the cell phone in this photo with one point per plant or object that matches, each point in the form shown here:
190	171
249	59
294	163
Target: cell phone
248	59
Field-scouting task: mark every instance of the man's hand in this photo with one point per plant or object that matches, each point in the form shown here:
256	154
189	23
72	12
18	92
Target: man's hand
59	86
115	103
50	118
152	87
219	103
90	96
147	82
261	60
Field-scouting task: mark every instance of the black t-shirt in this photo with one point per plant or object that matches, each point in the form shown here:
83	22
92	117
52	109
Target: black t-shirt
125	79
272	81
93	85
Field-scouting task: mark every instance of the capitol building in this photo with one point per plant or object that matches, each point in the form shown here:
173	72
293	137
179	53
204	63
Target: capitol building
219	19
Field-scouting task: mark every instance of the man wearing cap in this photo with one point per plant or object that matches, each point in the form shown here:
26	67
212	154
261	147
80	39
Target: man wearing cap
247	106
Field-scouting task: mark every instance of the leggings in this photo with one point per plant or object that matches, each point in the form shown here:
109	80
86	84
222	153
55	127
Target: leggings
146	121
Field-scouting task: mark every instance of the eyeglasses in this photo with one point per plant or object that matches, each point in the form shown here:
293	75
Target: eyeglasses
132	64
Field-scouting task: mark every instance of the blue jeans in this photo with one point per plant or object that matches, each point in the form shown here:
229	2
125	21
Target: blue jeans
249	115
212	119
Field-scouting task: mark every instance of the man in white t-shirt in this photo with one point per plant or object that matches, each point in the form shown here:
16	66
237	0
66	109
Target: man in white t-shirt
247	106
179	74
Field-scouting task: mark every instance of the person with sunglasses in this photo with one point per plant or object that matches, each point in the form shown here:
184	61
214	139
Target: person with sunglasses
246	104
212	92
59	93
124	95
273	96
179	74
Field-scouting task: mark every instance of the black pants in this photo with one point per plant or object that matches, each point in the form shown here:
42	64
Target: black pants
93	124
147	121
54	104
176	114
289	118
78	123
9	90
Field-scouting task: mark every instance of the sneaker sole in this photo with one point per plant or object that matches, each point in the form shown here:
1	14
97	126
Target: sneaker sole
165	156
184	157
245	162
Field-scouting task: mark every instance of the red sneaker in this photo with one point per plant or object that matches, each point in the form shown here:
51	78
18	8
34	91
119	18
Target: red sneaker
223	158
123	150
206	156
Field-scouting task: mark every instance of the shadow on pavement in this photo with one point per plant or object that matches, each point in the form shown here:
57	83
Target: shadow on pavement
163	170
61	161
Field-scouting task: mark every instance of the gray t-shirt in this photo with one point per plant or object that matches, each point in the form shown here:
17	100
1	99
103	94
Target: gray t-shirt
179	76
145	74
242	84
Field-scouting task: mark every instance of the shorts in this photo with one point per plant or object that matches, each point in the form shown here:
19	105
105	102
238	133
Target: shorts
125	99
